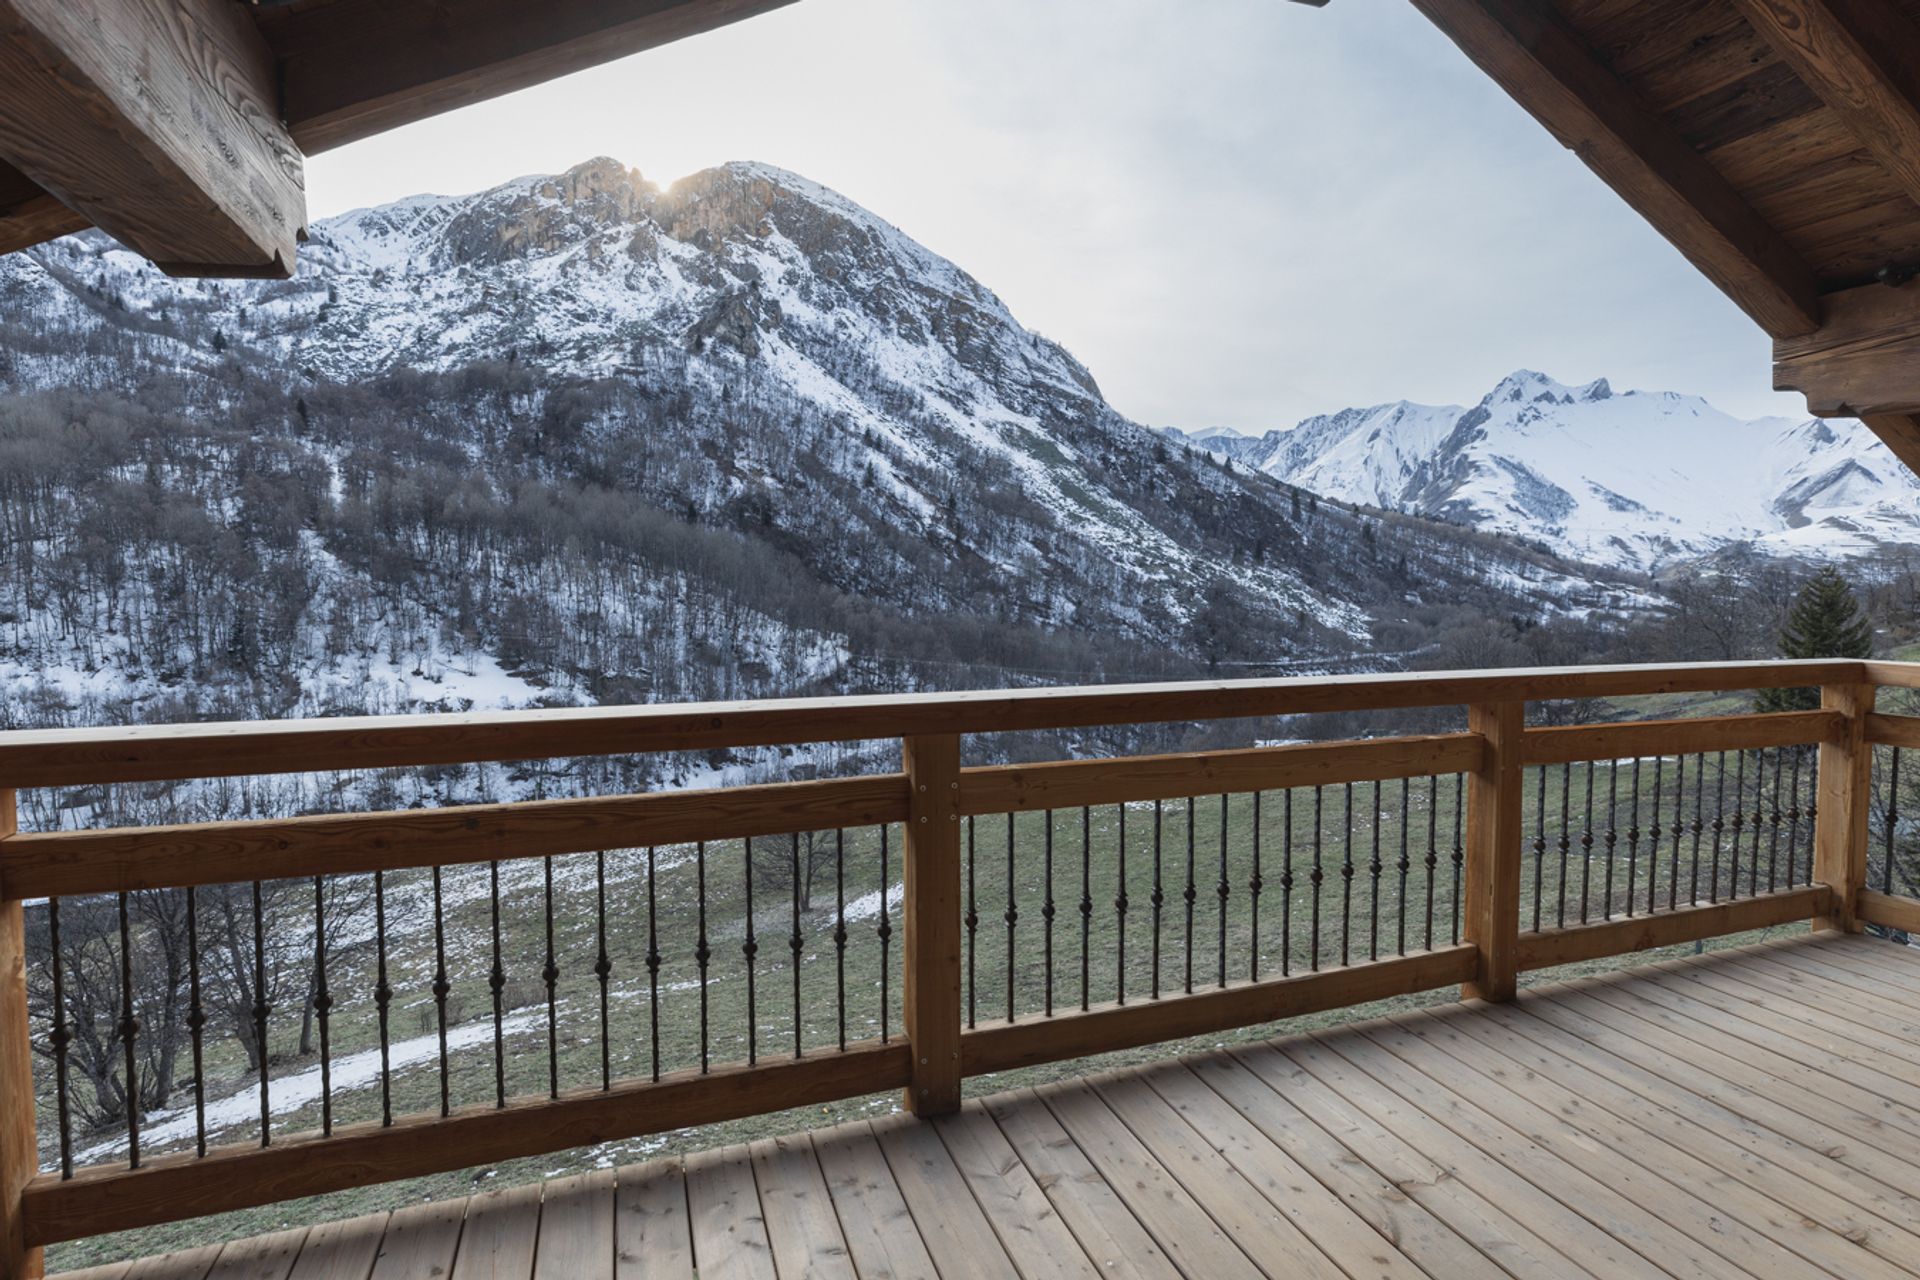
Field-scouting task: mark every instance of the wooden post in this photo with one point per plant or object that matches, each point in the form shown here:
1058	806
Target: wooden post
19	1141
933	923
1842	829
1491	919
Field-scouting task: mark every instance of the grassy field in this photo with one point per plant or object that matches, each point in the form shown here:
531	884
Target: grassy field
1097	859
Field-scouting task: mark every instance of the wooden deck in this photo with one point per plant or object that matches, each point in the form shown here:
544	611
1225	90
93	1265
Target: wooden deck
1750	1113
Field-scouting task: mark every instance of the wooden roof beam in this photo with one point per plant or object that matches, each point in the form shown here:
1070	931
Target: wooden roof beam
1863	60
353	68
28	215
1546	67
1863	362
159	122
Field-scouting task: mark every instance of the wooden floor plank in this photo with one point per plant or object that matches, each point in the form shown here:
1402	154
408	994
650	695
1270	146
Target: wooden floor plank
1031	1230
1898	989
874	1216
1487	1224
1402	1222
802	1228
498	1240
1099	1219
268	1257
1246	1210
576	1228
1555	1103
948	1217
184	1264
723	1205
341	1250
1649	1037
420	1242
652	1238
1856	1205
1513	1172
1182	1226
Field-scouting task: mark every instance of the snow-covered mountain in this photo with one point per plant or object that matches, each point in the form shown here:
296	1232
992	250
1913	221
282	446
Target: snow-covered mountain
1635	479
581	438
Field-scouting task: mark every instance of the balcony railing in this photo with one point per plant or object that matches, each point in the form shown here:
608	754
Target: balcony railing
1047	912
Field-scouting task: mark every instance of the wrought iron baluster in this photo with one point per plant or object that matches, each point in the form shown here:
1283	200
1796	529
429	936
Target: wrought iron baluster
1654	832
1433	846
796	942
323	1006
750	950
130	1036
653	963
1893	820
1612	835
1373	878
1013	917
602	968
1633	836
1540	850
1191	894
1566	837
1086	905
1346	883
1254	886
1406	860
1318	875
703	951
197	1024
972	922
1119	913
1758	825
1459	846
1738	823
60	1036
1718	826
441	986
885	933
1679	829
1286	882
1586	850
1159	898
382	998
1699	822
1223	891
840	933
1775	818
1813	817
1048	910
550	978
497	983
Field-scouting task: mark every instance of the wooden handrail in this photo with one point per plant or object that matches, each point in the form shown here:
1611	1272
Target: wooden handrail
930	799
74	757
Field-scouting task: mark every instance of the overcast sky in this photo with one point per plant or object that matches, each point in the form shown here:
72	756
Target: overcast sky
1235	212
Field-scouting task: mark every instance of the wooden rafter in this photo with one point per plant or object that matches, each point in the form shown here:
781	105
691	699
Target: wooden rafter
28	215
1863	60
1900	432
158	121
353	68
1527	49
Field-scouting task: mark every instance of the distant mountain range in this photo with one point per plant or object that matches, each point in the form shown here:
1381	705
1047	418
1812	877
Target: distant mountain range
1638	480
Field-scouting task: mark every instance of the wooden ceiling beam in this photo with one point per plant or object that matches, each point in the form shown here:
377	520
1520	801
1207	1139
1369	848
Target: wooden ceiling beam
28	215
353	68
158	121
1900	433
1863	60
1528	49
1863	362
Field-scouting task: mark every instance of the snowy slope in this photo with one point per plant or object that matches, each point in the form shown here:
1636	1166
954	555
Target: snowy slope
1632	479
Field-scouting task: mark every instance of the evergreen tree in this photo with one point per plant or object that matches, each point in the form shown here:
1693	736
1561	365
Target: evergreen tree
1825	622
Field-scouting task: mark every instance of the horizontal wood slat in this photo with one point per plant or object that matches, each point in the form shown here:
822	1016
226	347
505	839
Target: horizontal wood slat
237	1177
72	862
1124	1026
1564	744
1893	675
1071	783
1687	924
72	757
1888	910
1893	731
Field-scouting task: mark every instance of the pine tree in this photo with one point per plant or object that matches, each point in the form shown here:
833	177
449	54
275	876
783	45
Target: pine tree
1825	622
